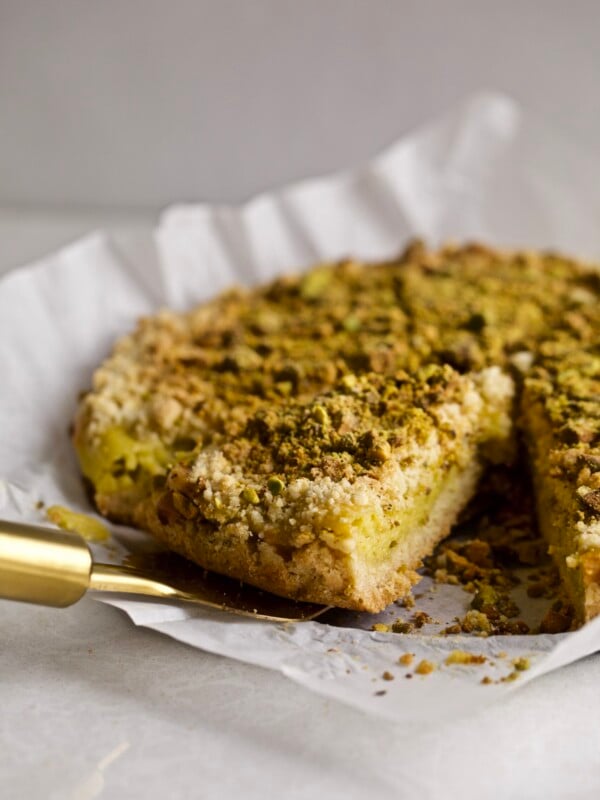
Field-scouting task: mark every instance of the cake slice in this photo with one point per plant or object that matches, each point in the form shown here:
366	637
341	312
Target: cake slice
561	421
336	500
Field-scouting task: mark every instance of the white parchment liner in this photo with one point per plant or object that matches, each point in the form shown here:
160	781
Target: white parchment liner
484	171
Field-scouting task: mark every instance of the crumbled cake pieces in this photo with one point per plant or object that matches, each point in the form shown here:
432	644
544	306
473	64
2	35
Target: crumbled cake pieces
424	667
495	549
464	658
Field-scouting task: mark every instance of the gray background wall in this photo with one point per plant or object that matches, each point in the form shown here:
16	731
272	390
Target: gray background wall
136	103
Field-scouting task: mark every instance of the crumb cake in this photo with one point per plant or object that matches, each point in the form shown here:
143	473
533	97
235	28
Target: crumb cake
318	436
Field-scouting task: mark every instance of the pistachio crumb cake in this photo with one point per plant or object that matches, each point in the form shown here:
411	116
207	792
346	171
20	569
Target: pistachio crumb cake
317	437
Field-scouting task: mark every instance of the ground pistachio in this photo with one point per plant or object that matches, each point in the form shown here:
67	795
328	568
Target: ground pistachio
250	496
275	485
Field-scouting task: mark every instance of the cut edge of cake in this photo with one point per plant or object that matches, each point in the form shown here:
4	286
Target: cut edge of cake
562	433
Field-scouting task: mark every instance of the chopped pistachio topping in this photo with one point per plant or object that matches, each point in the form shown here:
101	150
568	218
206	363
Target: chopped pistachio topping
250	495
275	485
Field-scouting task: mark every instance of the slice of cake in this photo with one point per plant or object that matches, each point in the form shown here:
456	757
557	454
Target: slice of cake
561	420
338	499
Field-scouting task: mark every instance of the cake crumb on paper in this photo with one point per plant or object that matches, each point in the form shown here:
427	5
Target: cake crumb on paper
463	657
424	667
90	529
380	627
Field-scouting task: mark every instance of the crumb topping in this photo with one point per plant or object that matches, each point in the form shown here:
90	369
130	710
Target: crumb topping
185	378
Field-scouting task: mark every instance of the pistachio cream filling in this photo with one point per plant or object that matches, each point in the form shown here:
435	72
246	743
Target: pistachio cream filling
117	461
87	527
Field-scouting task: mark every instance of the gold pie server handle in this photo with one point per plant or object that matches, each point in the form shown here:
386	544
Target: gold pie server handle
54	568
51	567
43	565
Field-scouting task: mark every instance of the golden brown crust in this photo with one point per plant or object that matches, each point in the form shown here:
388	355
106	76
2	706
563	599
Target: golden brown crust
314	574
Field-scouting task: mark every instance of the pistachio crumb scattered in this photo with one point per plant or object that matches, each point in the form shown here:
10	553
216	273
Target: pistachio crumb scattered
400	626
421	618
452	630
380	627
87	527
463	657
407	602
387	676
521	664
474	621
406	659
424	667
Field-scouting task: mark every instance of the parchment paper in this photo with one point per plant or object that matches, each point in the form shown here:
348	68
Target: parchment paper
485	171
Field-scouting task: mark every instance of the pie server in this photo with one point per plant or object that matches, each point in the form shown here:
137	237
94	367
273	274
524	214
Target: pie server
54	568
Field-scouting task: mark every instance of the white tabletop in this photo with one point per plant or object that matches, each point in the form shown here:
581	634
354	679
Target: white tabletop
93	707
